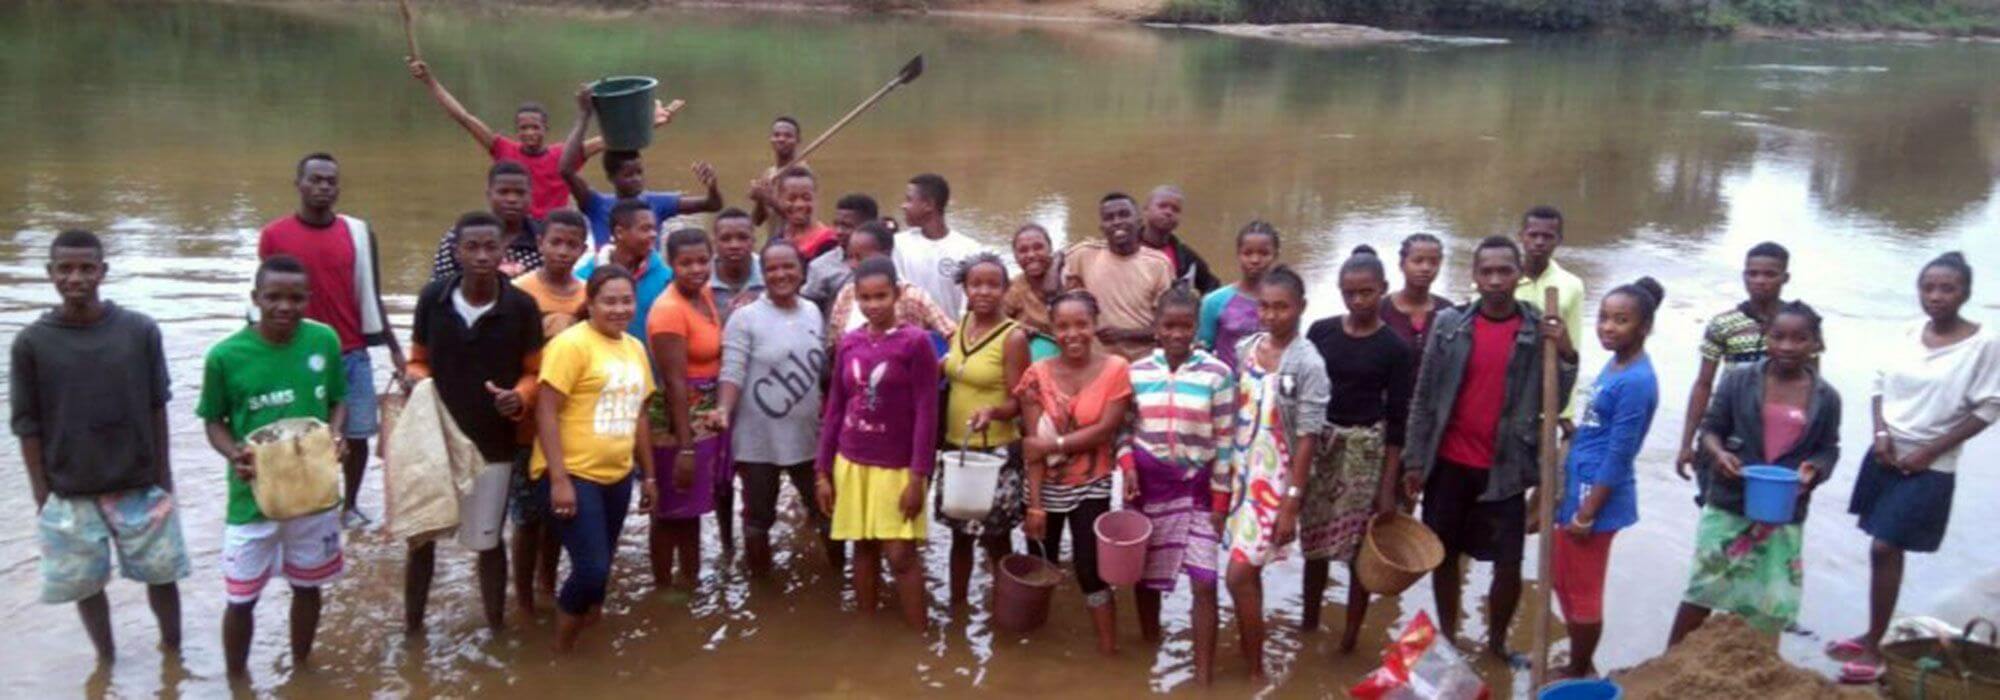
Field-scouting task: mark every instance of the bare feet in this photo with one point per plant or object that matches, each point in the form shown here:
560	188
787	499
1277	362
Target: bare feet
567	628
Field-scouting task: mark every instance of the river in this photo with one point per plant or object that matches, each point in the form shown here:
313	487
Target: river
173	128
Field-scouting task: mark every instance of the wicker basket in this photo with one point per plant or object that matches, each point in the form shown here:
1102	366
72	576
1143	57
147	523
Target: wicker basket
1397	551
1941	668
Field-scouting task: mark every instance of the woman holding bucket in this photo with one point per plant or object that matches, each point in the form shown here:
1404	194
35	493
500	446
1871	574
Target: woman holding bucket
1182	400
1281	390
878	440
1937	387
1371	371
1075	404
1776	411
988	354
1599	491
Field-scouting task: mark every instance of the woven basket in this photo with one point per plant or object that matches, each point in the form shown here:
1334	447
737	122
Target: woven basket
1397	551
1941	668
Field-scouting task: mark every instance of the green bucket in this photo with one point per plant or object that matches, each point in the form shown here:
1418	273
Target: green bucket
625	111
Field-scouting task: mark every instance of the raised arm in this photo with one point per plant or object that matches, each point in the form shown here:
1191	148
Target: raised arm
479	130
573	148
711	198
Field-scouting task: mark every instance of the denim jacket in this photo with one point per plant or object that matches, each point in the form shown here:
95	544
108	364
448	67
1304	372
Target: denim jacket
1446	352
1736	417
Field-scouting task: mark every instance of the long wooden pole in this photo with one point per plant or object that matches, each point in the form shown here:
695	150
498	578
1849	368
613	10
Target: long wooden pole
1545	499
410	29
909	73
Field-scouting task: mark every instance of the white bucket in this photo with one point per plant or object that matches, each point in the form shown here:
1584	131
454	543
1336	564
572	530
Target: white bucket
969	481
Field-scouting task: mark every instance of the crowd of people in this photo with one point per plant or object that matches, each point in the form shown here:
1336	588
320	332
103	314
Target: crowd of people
591	357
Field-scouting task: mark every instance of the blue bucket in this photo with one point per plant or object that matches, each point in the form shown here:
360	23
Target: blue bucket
1770	494
1581	689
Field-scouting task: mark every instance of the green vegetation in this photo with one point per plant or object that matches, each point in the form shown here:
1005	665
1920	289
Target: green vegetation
1954	17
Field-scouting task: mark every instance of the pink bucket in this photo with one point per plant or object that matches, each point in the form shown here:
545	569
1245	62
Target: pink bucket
1121	546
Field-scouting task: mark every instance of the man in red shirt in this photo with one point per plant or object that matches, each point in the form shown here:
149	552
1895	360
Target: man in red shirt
798	197
340	257
1473	439
529	145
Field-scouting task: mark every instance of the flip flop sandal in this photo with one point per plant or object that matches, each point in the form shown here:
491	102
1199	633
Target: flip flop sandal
1846	649
1861	673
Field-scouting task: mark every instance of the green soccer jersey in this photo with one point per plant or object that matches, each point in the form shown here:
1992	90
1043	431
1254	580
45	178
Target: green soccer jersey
249	383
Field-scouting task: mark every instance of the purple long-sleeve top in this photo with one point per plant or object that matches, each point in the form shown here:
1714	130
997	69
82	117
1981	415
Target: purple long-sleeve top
881	410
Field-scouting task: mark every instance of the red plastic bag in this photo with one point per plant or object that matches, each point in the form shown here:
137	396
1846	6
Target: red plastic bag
1417	667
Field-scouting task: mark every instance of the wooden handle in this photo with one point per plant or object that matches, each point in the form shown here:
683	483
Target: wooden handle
1545	496
409	29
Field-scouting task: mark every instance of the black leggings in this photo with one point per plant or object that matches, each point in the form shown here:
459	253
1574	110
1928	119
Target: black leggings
1083	541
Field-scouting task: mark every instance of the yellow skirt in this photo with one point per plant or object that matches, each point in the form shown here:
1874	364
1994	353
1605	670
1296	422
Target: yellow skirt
867	503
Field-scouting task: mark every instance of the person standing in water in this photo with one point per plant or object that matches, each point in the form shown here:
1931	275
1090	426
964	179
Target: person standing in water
589	430
1935	388
1359	463
773	356
913	306
878	443
527	145
283	366
340	254
559	296
88	391
1124	276
1779	411
480	340
826	274
507	188
1735	338
1184	417
1600	487
1229	314
1472	447
1161	218
1410	311
1541	234
986	358
1282	392
1074	405
929	254
627	173
686	332
763	193
1027	300
634	239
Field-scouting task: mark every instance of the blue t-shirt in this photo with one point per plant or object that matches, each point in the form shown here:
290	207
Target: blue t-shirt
598	210
653	278
1616	415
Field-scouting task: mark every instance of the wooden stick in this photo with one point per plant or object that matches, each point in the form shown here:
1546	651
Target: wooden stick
409	29
1545	500
909	73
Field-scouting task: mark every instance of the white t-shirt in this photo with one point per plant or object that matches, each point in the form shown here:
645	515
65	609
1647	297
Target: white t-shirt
469	312
932	265
1926	391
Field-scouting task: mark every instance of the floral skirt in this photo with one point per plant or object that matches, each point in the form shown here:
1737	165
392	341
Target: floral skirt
1340	494
1750	569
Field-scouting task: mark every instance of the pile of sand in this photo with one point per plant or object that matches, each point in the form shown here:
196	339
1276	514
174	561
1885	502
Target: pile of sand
1727	658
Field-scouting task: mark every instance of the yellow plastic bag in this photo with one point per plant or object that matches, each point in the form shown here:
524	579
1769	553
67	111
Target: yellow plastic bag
297	468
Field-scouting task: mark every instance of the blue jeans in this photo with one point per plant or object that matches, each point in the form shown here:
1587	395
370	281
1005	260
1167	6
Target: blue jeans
590	537
363	414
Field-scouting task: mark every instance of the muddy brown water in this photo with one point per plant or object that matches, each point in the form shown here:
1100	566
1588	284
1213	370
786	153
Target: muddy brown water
173	128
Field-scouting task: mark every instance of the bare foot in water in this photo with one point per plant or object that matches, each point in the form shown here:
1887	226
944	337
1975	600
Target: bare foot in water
568	627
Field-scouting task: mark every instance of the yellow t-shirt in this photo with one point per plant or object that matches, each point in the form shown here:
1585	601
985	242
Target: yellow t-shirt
606	381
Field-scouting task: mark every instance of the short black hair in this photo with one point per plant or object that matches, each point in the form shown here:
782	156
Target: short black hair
781	243
1954	261
77	238
1177	297
932	186
796	171
310	157
860	204
984	257
1491	242
1115	196
1771	250
1545	213
507	167
1037	228
885	239
532	107
1414	239
685	237
277	263
784	119
876	267
625	209
475	219
614	160
731	213
571	218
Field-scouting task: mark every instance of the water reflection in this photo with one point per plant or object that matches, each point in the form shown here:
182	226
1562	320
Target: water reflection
173	128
